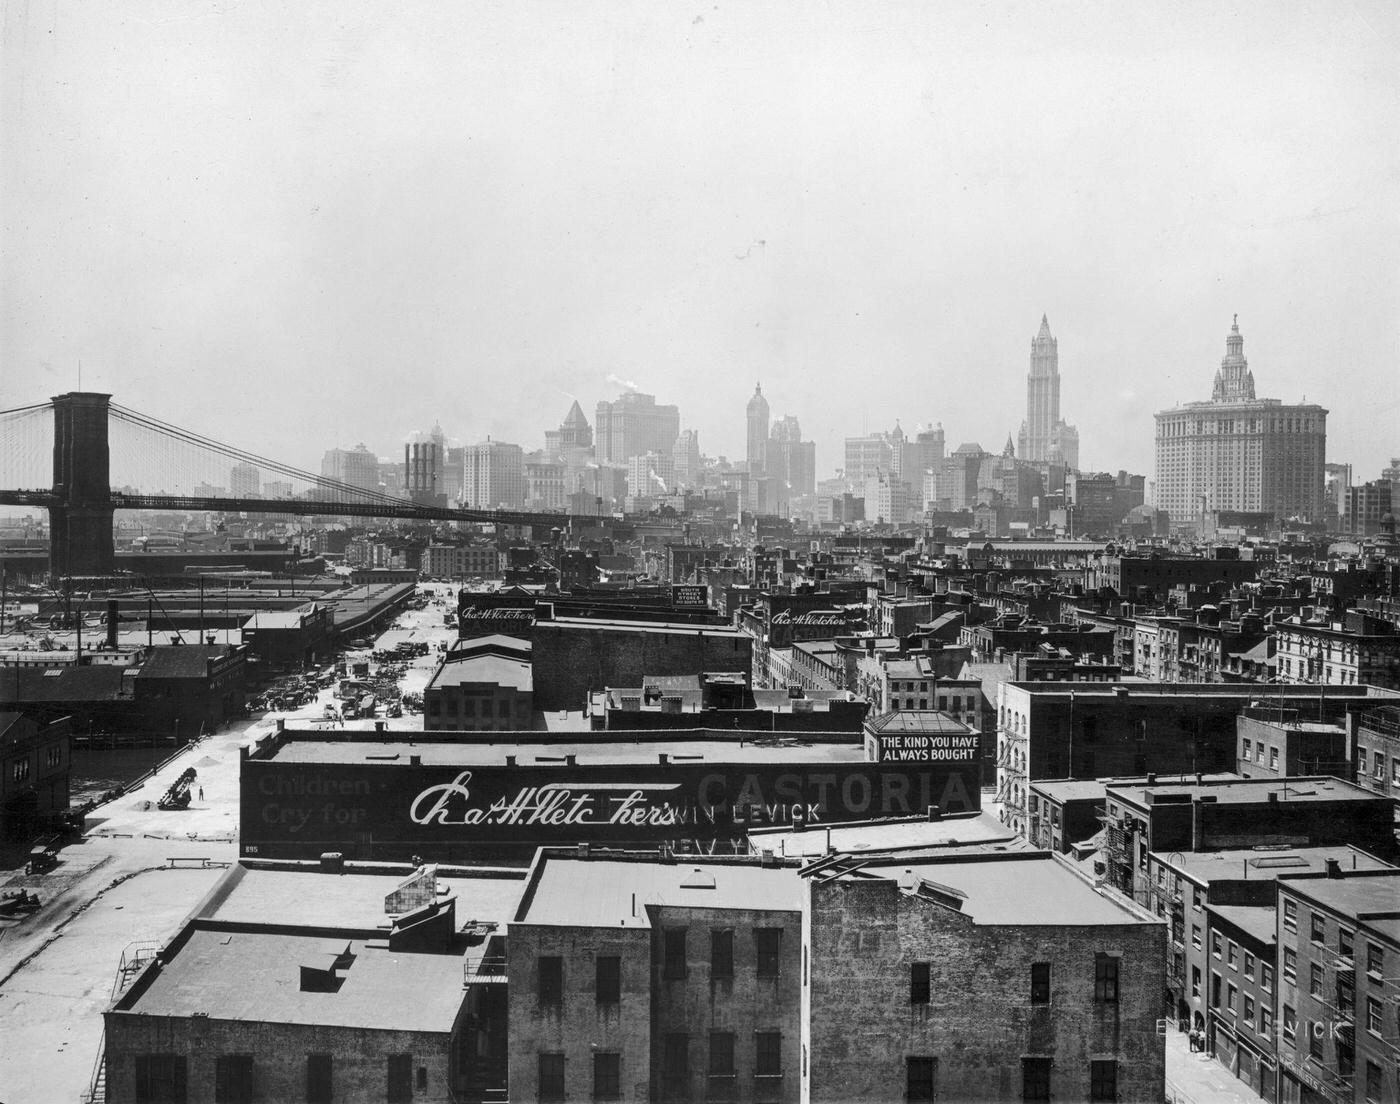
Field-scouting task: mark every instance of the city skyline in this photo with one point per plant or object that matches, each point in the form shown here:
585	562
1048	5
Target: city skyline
867	212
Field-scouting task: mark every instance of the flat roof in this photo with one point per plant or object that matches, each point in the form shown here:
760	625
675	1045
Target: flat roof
1369	900
1031	889
917	720
591	893
1241	863
651	628
886	835
488	669
1260	921
256	976
397	752
1248	790
310	897
1084	789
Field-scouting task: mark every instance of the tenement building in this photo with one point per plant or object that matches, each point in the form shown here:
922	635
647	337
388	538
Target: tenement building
1238	454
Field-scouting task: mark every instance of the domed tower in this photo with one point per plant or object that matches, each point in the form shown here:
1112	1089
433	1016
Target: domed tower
757	412
1234	382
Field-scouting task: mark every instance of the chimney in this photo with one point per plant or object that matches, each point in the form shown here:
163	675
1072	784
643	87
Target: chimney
1273	796
112	619
1198	825
415	760
934	813
1334	868
1151	779
571	760
662	758
510	760
767	858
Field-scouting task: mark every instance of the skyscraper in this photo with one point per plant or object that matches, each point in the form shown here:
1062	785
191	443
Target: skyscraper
1044	436
357	467
1240	453
632	425
245	481
757	451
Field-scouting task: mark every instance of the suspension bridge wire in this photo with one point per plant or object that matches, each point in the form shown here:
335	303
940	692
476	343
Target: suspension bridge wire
26	447
199	441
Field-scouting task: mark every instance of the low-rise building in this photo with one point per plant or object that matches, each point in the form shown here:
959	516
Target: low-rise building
485	684
35	761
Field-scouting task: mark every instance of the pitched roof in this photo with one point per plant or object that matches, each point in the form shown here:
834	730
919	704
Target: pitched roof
182	660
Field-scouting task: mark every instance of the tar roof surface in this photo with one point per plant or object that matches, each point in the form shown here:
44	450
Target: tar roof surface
601	894
891	835
1034	890
392	752
1260	921
1248	863
257	976
1252	790
311	898
495	670
1374	894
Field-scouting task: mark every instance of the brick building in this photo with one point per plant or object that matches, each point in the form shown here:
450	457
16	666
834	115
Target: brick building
1375	736
34	773
485	685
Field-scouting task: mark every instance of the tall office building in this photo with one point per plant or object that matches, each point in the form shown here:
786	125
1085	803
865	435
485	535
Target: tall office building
245	481
493	475
356	467
633	425
1044	436
757	415
790	460
1238	453
685	458
573	433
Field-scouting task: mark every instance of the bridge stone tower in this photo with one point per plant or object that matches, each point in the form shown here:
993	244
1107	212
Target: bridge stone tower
80	521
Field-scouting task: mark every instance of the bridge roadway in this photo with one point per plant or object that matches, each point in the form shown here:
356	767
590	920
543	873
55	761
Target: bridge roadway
309	507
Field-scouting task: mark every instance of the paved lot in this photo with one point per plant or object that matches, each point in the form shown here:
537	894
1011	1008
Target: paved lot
116	887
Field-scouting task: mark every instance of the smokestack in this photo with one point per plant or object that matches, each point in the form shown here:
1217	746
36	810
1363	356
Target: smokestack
112	619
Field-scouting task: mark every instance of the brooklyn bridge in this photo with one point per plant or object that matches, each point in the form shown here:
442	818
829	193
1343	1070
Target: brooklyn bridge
96	444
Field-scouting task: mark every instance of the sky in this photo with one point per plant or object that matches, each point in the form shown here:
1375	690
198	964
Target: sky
300	226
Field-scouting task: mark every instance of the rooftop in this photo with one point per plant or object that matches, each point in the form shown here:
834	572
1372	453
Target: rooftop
1248	790
1087	789
1032	889
1242	864
256	975
651	628
488	669
1260	921
640	750
919	721
569	892
1369	899
903	834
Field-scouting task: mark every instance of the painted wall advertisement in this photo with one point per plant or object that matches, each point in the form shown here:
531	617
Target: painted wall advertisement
509	614
388	811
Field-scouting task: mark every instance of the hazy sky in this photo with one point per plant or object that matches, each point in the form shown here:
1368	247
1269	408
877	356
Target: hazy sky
297	225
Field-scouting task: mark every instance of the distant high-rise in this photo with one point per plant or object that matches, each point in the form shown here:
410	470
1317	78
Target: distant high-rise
790	460
493	475
633	425
685	458
357	467
1044	436
1239	453
245	481
573	432
757	414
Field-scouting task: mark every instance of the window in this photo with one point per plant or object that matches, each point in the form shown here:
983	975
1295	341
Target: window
1374	1015
721	1070
319	1078
1196	936
1273	758
1232	954
400	1087
1215	943
919	983
608	979
1106	979
1266	976
551	969
1249	965
1230	992
1266	1020
1290	1023
607	1075
1315	979
675	1066
1040	983
768	942
1248	1010
920	1078
233	1079
674	964
551	1076
1195	981
1375	960
1373	1082
1290	914
768	1054
21	771
1319	928
1214	990
1346	943
1103	1080
721	953
1290	966
1316	1037
1035	1078
160	1079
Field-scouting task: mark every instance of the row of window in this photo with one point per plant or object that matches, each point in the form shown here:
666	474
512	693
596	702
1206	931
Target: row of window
164	1079
1105	981
607	969
1377	766
921	1079
721	1067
